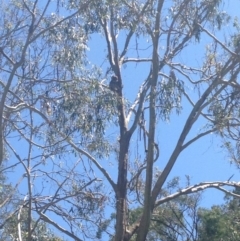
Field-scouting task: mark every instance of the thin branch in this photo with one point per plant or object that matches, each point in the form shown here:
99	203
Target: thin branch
48	220
103	170
140	101
200	187
129	36
198	137
126	60
131	32
83	7
108	40
217	40
7	57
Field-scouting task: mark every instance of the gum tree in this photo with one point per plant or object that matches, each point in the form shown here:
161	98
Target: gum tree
89	148
33	38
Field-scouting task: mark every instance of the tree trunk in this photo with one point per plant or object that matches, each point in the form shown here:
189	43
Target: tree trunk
148	207
121	200
121	204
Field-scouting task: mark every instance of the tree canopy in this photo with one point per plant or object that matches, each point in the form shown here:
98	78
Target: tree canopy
220	222
86	89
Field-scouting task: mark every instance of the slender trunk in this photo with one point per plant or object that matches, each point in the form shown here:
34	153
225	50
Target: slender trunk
121	205
147	212
121	200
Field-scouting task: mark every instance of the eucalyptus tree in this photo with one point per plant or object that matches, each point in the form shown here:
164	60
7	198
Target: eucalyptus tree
89	148
34	38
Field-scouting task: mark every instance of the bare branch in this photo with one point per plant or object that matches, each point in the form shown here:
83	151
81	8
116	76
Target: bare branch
200	187
48	220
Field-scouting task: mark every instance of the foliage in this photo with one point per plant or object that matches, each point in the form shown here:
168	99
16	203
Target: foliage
220	222
11	217
41	233
76	150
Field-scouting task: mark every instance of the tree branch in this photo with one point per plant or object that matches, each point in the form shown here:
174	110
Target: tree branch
48	220
200	187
